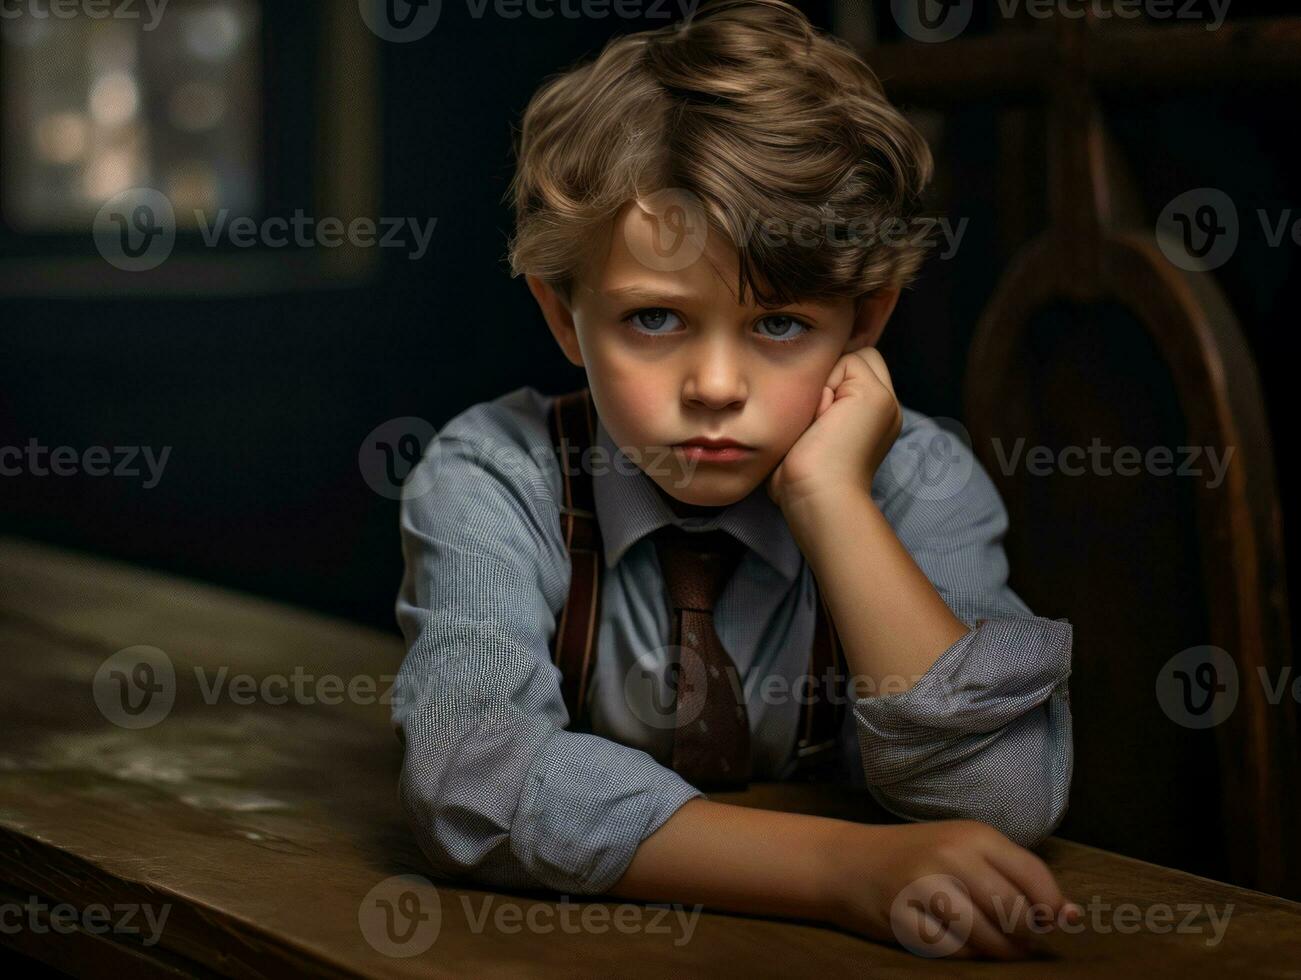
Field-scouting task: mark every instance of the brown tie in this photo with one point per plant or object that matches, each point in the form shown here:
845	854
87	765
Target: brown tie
711	740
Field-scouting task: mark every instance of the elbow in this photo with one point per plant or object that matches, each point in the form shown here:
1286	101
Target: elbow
1025	821
439	827
459	833
1024	803
1028	805
457	793
1029	826
495	809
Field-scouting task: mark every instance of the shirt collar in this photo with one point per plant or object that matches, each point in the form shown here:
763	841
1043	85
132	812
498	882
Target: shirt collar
629	506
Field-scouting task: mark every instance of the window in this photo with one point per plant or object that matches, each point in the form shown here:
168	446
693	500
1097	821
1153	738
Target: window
96	105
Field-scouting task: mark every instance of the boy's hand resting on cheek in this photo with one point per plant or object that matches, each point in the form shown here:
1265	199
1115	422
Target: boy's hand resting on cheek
857	421
951	888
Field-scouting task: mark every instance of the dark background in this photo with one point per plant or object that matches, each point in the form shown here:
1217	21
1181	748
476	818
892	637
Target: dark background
266	397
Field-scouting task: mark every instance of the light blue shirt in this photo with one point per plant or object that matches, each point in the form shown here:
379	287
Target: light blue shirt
499	792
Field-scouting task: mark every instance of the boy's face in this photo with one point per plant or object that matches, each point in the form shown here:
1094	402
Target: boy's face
670	356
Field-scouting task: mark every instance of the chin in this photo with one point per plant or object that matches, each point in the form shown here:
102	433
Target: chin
710	493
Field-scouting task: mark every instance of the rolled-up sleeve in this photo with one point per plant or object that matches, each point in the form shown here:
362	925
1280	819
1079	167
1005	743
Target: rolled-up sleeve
495	789
985	733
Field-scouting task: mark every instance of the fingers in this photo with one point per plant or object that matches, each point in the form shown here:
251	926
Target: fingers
1028	873
1004	905
824	402
876	364
988	939
939	916
849	367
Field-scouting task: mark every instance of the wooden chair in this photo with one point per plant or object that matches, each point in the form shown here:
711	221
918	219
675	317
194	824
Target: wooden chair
1092	333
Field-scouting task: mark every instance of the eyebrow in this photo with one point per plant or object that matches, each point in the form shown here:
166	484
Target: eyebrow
652	295
648	294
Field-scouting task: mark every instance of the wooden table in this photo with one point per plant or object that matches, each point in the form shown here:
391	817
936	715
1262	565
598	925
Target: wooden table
270	837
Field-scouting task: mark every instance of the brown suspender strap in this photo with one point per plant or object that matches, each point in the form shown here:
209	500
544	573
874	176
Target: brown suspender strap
573	650
823	701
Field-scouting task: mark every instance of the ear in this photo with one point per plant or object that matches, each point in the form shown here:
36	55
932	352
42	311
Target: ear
558	318
874	311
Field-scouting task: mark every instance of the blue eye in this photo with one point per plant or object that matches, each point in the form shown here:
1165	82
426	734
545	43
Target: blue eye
787	333
651	320
658	322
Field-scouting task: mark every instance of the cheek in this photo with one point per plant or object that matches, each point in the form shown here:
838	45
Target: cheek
630	398
791	400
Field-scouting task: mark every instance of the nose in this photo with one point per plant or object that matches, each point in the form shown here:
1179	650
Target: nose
716	378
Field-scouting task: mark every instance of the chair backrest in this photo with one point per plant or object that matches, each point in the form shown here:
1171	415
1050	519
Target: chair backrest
1161	554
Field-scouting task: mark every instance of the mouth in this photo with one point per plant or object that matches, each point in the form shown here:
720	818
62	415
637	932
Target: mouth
714	450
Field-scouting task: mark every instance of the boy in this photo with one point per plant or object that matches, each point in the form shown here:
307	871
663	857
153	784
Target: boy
642	177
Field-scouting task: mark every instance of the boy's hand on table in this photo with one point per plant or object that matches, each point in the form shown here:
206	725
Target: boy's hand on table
857	421
949	888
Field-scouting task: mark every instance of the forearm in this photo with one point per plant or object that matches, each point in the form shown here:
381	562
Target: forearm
892	622
739	859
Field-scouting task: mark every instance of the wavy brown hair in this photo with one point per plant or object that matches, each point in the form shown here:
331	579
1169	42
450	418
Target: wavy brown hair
761	117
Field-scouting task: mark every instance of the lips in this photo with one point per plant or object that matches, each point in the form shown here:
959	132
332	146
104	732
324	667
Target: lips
709	443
